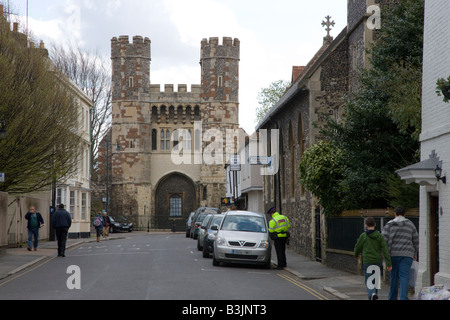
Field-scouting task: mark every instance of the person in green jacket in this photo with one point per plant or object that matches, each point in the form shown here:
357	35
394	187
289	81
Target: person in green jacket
372	246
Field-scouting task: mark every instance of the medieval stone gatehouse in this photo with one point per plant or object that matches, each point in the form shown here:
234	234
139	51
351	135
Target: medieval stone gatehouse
169	147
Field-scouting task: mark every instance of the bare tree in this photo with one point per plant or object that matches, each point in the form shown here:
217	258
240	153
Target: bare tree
90	73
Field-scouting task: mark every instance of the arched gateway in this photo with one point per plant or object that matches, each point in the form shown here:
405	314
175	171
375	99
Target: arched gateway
175	198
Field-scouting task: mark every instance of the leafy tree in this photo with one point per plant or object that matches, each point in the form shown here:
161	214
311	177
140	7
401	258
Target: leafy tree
381	125
269	96
40	115
397	60
321	169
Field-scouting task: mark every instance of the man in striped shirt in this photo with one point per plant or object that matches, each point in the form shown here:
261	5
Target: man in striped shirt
403	243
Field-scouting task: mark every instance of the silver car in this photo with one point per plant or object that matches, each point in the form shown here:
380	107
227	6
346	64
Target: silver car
243	236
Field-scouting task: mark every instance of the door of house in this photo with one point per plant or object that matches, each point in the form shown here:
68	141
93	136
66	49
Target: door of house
434	237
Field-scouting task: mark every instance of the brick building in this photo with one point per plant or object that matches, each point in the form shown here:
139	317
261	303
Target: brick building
169	147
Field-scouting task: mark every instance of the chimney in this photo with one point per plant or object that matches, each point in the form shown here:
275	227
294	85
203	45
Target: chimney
296	71
16	27
1	10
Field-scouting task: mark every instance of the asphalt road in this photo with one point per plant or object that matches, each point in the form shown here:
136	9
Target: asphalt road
150	267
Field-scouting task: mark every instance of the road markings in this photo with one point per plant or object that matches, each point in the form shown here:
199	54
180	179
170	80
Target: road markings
20	274
211	270
303	286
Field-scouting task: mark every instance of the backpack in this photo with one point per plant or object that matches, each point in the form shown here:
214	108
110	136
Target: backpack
97	222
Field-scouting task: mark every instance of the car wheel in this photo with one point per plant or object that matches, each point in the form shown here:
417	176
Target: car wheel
199	247
215	262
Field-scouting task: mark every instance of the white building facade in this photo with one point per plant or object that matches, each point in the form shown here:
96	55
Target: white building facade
434	224
245	180
75	191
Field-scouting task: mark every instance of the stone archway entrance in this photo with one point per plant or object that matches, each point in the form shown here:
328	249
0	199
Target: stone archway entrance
175	198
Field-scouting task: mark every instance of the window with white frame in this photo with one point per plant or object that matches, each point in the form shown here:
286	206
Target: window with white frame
83	206
175	205
72	203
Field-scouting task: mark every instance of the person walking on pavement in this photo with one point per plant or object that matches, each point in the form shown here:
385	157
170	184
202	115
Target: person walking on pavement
35	222
371	245
98	224
61	221
278	229
403	243
106	223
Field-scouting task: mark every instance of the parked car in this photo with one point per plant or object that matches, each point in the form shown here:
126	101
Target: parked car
202	230
243	236
188	224
210	234
200	214
120	223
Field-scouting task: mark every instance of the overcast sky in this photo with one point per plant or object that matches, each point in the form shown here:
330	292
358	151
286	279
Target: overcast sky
274	34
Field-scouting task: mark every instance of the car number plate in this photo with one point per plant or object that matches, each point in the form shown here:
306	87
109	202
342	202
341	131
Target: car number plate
240	252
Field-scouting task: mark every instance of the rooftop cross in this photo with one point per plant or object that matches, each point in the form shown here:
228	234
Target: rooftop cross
328	24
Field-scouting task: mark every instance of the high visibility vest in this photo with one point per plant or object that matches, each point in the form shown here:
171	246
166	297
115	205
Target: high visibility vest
279	225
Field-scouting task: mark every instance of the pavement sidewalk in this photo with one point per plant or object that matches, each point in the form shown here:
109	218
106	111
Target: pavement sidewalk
342	285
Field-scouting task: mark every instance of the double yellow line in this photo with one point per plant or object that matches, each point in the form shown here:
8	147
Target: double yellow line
303	286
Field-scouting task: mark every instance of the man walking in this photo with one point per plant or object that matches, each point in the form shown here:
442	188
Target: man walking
403	243
61	221
106	223
278	229
35	222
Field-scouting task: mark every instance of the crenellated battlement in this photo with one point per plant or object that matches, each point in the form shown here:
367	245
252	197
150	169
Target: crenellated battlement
169	88
121	47
131	71
168	93
226	42
126	40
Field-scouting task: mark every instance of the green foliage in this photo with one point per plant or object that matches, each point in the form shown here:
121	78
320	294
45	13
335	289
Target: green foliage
40	114
268	97
321	170
443	88
401	194
396	58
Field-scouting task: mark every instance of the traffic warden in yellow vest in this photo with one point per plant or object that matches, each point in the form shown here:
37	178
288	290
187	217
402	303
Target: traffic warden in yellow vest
279	233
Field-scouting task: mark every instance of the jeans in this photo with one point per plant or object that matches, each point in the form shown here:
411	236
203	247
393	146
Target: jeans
400	271
33	232
370	292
